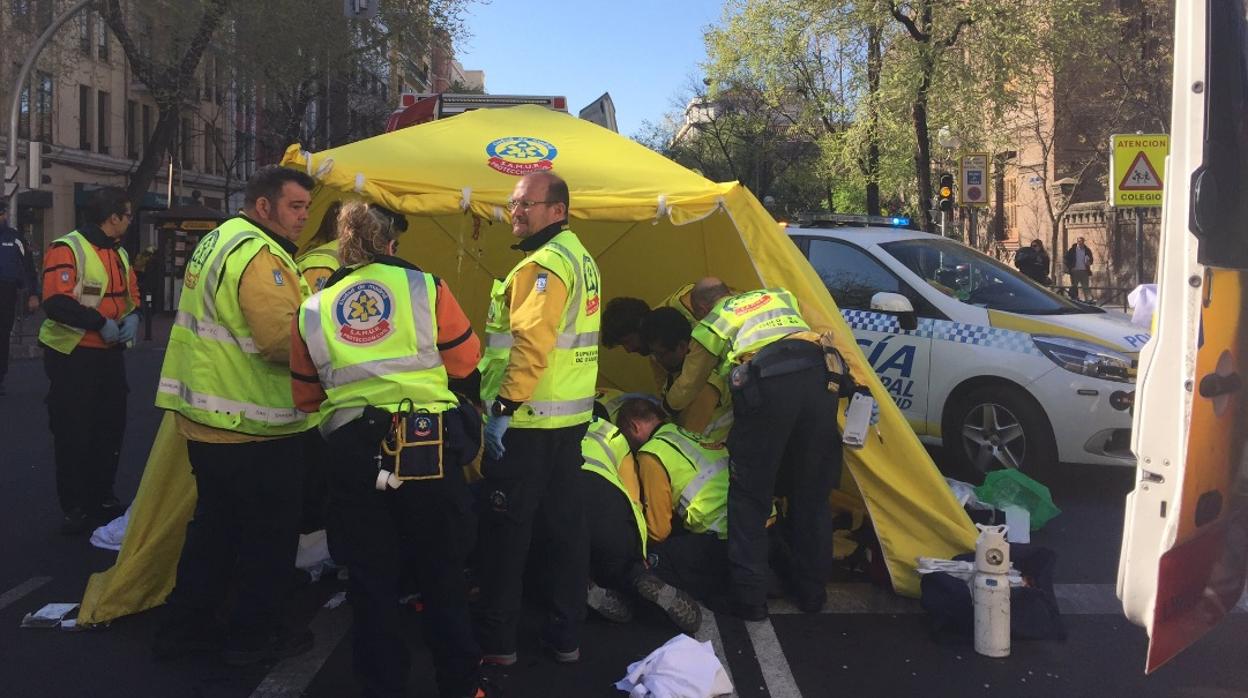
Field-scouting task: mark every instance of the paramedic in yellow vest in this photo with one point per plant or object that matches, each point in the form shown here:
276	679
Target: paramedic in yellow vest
91	298
321	259
684	485
381	339
668	335
538	377
617	533
621	325
226	375
784	429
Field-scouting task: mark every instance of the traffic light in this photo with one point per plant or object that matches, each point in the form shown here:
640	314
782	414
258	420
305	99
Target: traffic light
36	164
10	180
944	195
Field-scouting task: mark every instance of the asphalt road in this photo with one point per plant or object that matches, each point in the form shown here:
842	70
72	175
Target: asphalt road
867	643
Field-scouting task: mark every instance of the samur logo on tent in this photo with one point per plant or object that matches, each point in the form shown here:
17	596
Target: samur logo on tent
520	155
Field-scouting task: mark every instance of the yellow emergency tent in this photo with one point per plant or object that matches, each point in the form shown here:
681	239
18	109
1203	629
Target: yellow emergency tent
651	224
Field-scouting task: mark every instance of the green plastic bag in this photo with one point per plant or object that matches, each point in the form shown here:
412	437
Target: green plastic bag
1010	487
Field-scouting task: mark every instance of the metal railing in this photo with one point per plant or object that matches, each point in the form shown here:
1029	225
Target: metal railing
1100	295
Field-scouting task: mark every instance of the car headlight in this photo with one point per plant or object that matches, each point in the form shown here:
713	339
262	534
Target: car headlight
1085	358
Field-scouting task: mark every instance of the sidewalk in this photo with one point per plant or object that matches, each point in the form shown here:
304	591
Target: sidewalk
24	344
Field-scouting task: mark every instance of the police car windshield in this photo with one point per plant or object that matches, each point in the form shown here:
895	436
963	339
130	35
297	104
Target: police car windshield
963	273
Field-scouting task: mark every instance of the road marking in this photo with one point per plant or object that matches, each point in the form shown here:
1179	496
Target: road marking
291	677
17	592
771	660
708	631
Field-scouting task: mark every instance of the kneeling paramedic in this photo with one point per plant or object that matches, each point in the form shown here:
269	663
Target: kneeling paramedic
784	430
617	533
377	352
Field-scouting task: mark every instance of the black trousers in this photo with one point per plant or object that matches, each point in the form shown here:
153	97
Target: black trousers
245	530
694	562
8	312
426	526
87	414
786	434
536	485
615	559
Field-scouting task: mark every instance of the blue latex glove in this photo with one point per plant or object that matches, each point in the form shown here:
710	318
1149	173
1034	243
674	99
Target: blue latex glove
110	332
129	328
494	430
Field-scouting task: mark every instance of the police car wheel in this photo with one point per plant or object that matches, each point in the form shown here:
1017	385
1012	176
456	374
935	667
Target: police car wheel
1000	426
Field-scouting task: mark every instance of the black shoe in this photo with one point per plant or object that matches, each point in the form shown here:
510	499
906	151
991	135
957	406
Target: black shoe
609	603
813	604
679	606
108	510
76	522
177	639
280	646
730	607
571	656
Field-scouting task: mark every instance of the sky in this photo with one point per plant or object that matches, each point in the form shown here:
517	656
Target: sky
641	51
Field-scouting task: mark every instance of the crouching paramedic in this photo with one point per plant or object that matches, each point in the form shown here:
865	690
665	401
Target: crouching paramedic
684	483
784	429
617	534
376	352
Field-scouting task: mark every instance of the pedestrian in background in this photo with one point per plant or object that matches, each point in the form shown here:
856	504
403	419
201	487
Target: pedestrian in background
1033	261
91	298
227	376
17	273
538	376
1078	260
377	353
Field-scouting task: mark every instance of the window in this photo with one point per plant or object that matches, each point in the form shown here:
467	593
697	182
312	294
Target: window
103	39
23	113
43	107
103	116
43	14
188	152
86	32
851	275
218	82
84	117
147	125
21	11
210	146
132	129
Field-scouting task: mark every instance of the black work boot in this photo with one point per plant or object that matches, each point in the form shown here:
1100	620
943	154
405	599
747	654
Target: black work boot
678	605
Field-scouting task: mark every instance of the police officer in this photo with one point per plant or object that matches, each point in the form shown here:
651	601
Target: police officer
377	352
784	424
91	298
617	533
538	376
226	376
17	272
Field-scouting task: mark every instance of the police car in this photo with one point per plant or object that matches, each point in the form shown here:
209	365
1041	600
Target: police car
999	370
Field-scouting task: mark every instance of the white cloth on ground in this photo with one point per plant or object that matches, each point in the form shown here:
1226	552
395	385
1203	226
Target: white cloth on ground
681	668
109	535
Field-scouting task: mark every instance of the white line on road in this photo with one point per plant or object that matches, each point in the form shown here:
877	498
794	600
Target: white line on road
708	631
291	677
17	592
771	660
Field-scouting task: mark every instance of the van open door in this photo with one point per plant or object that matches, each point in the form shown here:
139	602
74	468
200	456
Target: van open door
1185	539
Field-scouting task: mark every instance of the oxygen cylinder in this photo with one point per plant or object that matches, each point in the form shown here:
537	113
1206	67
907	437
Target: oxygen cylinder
992	592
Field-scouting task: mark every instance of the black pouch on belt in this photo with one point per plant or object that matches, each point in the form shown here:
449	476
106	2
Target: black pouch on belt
744	385
415	445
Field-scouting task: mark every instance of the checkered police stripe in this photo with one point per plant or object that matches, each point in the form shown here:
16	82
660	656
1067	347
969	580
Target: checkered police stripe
944	330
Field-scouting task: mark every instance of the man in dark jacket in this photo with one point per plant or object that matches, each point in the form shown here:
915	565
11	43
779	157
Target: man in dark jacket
1078	260
17	272
1033	261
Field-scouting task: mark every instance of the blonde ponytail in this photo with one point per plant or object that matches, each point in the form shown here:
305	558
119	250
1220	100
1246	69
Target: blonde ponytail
364	233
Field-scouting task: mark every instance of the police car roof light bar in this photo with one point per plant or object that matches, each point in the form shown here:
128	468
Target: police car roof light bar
818	219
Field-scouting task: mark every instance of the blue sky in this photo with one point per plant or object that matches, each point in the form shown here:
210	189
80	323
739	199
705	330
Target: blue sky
641	51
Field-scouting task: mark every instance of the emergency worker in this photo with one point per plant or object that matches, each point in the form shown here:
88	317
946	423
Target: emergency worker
784	426
622	319
684	484
538	376
617	534
91	298
377	353
226	376
17	272
318	263
667	335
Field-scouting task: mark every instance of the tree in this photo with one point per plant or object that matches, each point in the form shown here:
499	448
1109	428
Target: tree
165	61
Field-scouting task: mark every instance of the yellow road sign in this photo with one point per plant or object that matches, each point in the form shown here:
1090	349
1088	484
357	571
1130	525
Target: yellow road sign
1137	166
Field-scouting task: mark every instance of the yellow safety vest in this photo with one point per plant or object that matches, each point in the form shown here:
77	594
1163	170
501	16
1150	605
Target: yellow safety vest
604	449
610	399
564	395
213	373
373	338
673	301
741	325
320	257
91	274
699	477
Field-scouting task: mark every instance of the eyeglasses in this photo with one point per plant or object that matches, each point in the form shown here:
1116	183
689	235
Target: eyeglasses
526	205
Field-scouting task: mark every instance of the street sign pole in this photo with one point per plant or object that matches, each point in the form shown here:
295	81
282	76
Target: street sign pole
1139	245
22	74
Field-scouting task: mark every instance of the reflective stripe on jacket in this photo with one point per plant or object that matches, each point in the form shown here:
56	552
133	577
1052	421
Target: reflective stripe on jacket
699	476
604	449
740	325
92	284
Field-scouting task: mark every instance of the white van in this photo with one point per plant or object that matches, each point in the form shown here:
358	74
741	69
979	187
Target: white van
1002	371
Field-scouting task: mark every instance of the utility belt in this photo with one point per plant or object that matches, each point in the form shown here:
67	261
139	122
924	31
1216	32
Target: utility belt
789	356
420	445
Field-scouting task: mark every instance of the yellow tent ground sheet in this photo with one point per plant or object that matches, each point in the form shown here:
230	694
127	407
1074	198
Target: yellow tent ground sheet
652	226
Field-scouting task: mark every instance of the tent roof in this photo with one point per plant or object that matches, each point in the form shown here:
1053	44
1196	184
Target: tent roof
470	161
